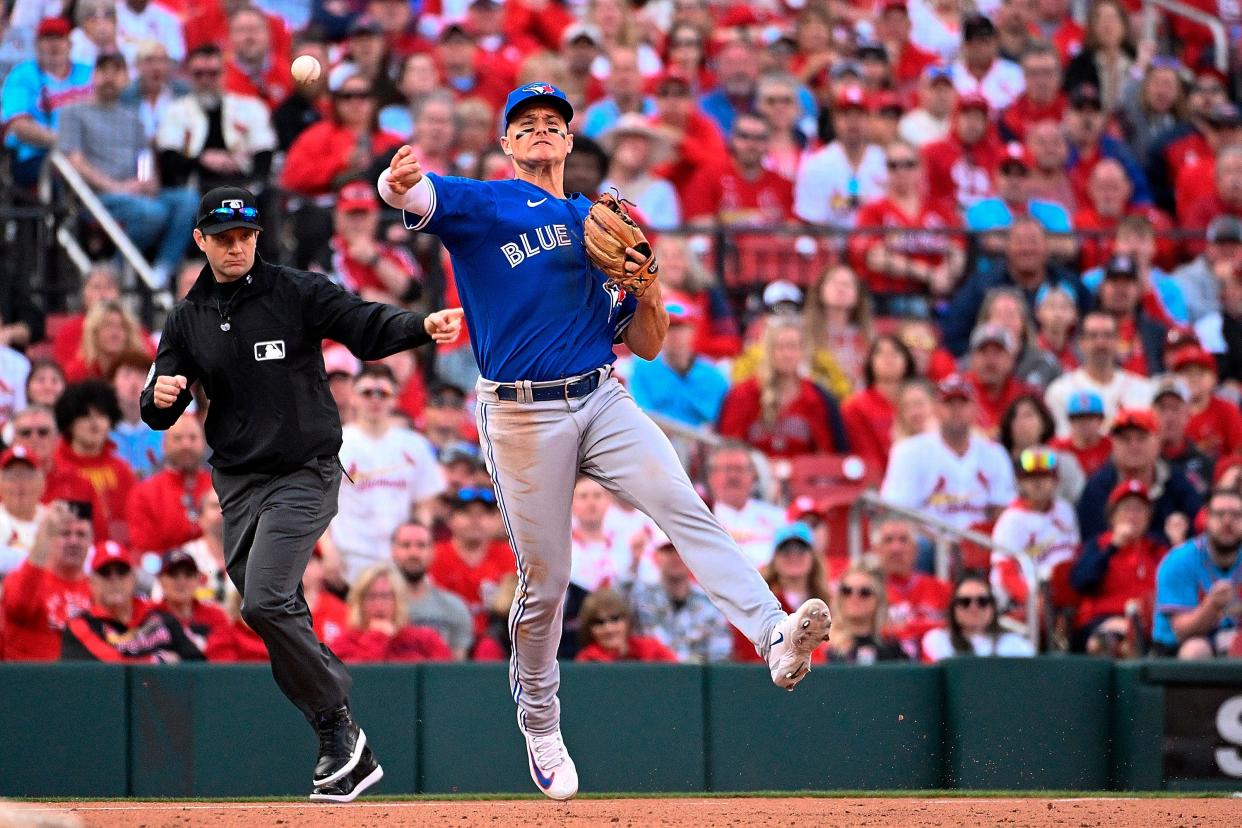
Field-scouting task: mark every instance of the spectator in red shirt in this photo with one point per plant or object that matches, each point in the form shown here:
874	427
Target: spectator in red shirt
45	382
237	642
1042	100
108	333
181	582
207	22
892	30
1186	142
84	415
257	66
49	587
1086	439
959	167
34	430
120	627
1109	200
375	270
162	512
1226	200
740	191
1215	425
468	71
472	562
99	285
607	632
916	601
698	141
1050	153
869	414
1118	566
993	355
1171	404
902	268
329	614
778	412
379	627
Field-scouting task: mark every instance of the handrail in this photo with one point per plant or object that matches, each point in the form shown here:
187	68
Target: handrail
677	428
871	500
132	255
1220	38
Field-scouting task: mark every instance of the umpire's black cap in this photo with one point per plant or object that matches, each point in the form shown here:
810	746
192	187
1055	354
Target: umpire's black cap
225	208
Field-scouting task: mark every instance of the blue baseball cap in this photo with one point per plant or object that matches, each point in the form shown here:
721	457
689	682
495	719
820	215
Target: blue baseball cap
1085	404
538	92
796	531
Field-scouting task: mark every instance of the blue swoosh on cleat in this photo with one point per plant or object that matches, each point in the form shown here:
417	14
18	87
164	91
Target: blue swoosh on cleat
544	782
777	641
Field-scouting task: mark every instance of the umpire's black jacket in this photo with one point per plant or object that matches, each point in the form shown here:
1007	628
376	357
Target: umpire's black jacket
271	410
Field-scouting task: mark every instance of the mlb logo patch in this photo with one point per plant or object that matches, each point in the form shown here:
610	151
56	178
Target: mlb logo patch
274	349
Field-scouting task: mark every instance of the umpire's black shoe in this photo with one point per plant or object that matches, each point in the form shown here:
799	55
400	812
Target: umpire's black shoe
346	789
341	743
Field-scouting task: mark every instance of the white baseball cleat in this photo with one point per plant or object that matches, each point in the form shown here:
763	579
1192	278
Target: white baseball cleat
550	766
794	639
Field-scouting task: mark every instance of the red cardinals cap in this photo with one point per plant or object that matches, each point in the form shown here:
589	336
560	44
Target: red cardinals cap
1016	156
894	5
19	454
803	505
955	386
1192	355
887	101
1128	488
1141	419
973	100
850	97
53	27
109	552
357	195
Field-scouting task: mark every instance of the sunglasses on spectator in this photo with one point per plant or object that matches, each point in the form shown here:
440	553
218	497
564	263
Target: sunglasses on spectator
607	619
1037	461
356	95
43	431
778	99
980	601
674	91
243	213
848	591
474	495
902	163
375	393
114	570
1014	170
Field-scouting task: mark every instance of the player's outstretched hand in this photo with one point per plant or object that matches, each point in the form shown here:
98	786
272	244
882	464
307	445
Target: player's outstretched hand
167	389
404	171
444	325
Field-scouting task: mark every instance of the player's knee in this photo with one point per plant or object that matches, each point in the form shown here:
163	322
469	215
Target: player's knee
260	613
1194	649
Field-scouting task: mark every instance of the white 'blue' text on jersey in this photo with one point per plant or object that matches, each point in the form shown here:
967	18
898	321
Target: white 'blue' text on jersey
536	308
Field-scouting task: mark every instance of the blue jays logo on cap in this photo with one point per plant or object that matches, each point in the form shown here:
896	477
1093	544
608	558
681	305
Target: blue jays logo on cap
538	92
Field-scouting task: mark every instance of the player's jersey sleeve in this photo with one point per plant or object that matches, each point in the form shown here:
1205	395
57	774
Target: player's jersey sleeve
625	315
462	210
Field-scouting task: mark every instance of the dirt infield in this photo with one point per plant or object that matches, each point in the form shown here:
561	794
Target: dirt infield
827	811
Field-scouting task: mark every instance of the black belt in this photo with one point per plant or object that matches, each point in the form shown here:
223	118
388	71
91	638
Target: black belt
571	390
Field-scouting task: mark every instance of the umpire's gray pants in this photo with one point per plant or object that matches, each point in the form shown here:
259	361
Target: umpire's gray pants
534	453
271	524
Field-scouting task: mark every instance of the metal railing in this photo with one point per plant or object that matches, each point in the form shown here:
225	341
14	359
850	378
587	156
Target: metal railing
58	163
942	534
1220	38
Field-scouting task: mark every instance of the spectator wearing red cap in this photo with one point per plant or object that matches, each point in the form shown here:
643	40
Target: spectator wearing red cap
959	167
1083	123
1215	426
953	473
34	429
902	269
1109	200
1117	387
1136	455
1037	524
1186	142
162	512
916	601
993	357
120	627
379	628
258	64
778	411
375	270
741	192
181	583
48	588
931	119
22	482
834	182
1119	566
892	30
84	415
981	70
33	95
869	414
697	140
1171	405
679	383
1041	99
1086	439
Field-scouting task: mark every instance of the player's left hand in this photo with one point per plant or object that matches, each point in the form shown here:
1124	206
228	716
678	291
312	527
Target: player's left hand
444	325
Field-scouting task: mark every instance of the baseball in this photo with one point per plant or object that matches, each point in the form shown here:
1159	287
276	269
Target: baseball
305	69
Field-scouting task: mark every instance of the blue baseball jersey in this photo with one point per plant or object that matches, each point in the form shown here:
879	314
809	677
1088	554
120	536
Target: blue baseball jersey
536	307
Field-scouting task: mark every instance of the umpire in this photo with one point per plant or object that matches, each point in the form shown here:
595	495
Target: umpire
251	332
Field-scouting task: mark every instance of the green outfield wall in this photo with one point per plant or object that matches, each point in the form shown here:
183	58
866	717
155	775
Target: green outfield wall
1046	723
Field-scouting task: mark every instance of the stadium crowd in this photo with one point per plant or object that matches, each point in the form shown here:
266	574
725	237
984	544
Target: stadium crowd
1024	317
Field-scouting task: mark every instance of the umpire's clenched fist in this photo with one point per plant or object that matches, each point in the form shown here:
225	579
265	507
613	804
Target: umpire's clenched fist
167	389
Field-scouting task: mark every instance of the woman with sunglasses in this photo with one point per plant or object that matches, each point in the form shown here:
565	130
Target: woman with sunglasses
973	627
1038	524
860	614
607	632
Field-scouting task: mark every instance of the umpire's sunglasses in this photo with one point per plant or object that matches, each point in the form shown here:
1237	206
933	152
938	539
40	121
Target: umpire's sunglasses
230	213
476	495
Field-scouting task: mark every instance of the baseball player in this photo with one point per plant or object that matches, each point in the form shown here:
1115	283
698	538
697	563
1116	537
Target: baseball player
543	319
252	333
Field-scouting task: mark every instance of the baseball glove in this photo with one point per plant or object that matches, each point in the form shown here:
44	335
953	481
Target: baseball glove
608	231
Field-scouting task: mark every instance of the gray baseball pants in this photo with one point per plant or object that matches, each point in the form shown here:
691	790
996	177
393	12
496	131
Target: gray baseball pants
534	453
271	524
